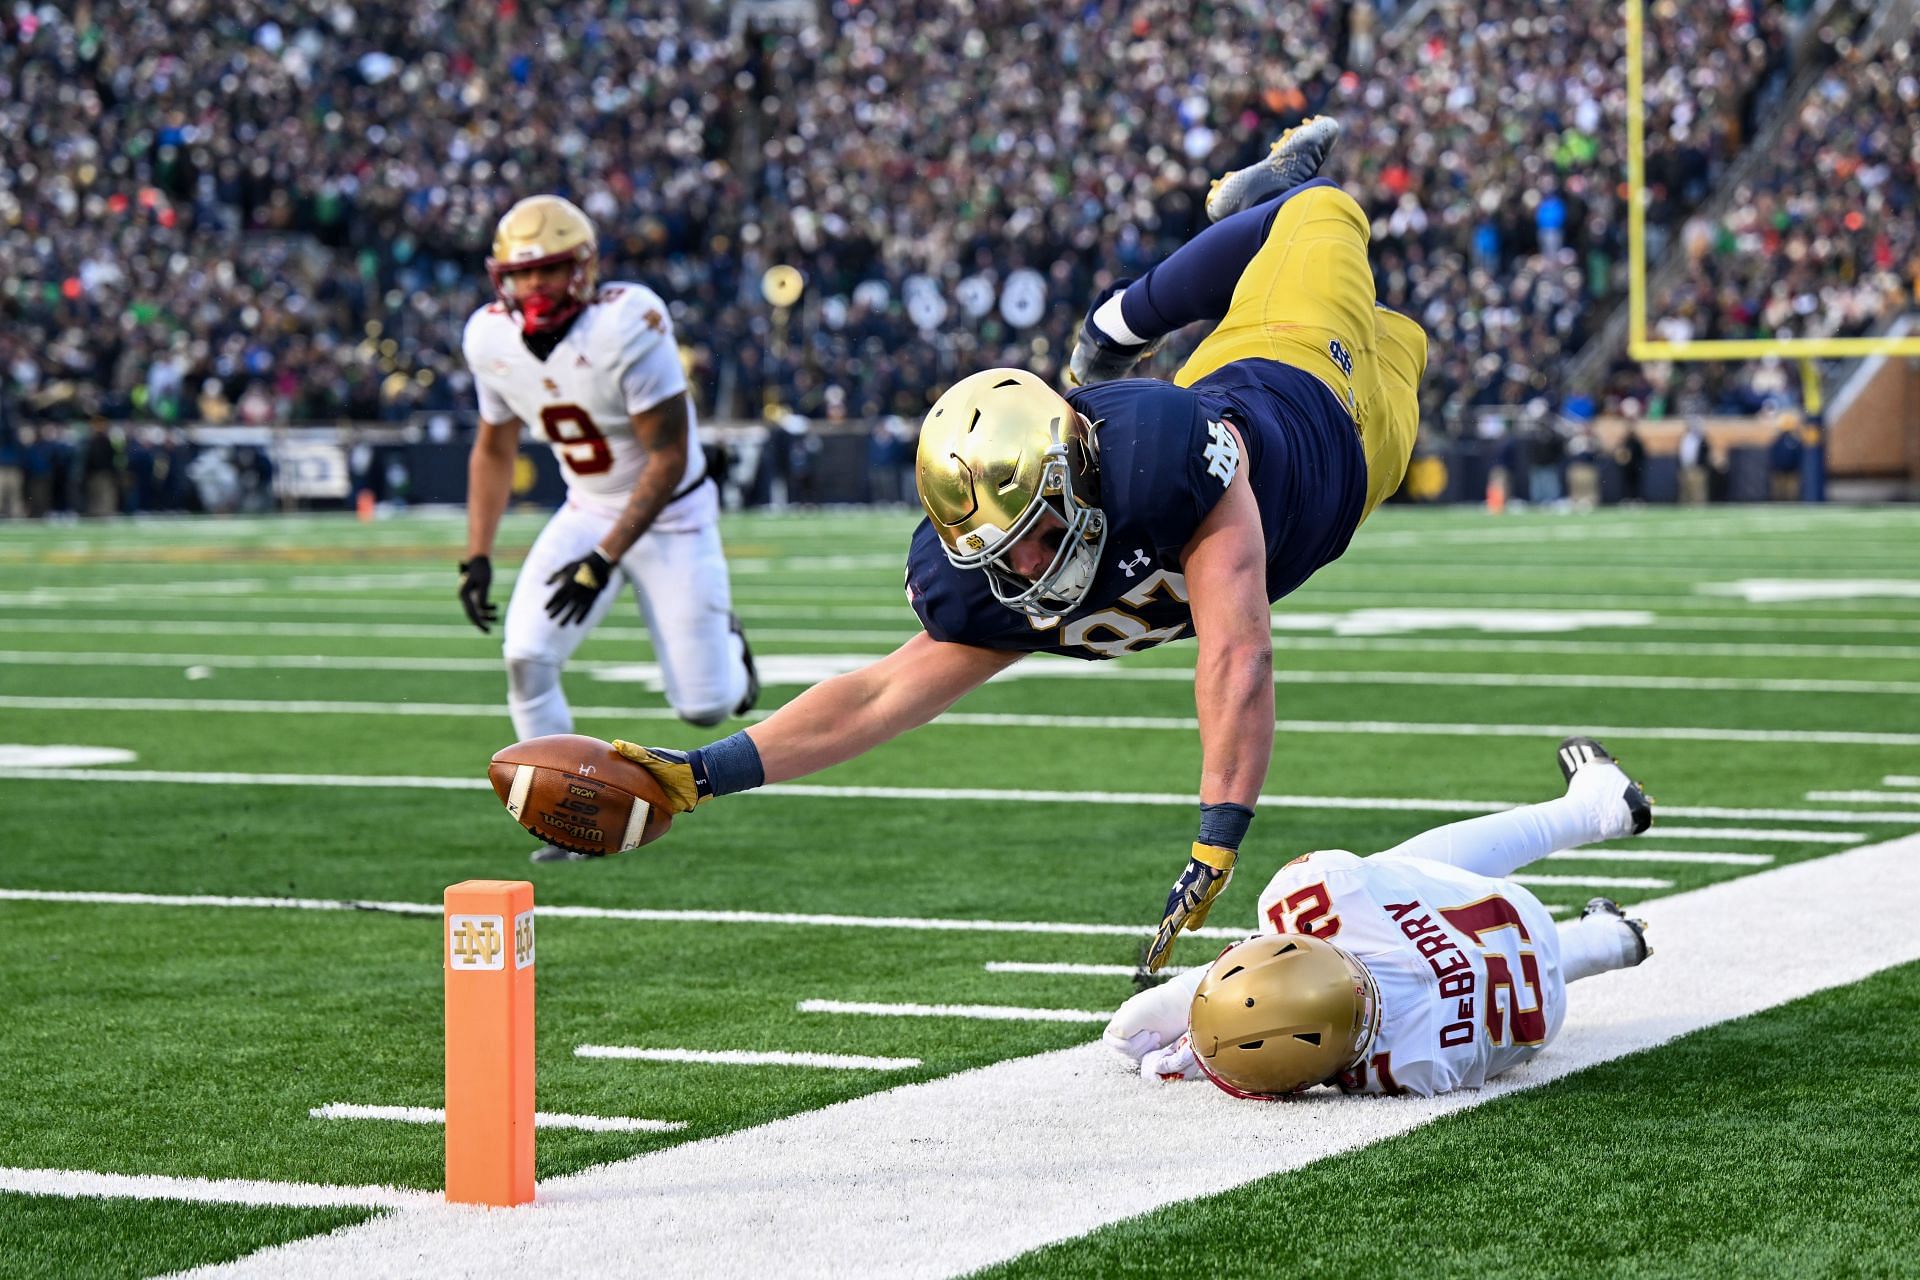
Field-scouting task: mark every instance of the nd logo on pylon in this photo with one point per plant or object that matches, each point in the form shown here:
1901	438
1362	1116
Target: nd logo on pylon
476	942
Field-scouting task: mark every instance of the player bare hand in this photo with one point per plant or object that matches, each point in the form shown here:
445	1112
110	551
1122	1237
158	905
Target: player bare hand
580	584
476	584
673	770
1206	875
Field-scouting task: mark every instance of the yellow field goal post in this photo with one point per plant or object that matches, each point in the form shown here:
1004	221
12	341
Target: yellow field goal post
1639	346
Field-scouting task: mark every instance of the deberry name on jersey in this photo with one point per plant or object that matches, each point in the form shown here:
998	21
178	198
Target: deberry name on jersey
1161	457
618	359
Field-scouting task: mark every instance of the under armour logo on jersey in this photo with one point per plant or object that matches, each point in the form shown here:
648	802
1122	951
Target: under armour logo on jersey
1341	356
1139	561
1223	454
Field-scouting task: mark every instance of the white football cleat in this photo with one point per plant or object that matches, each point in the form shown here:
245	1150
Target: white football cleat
1296	157
1636	948
1621	806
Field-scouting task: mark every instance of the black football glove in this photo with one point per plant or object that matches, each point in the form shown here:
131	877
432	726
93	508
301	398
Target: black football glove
476	583
580	584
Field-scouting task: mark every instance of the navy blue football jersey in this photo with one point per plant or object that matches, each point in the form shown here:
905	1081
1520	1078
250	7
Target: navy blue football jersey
1165	460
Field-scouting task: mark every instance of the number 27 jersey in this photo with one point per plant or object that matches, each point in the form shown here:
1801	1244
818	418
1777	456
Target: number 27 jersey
617	359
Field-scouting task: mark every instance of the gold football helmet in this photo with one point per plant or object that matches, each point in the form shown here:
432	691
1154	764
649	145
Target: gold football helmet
1282	1012
999	452
538	232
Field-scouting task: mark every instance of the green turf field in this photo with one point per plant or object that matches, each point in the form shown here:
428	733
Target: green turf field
308	717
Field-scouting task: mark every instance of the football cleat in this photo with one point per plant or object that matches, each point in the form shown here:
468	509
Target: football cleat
1098	358
1295	158
752	694
554	853
1577	754
1608	907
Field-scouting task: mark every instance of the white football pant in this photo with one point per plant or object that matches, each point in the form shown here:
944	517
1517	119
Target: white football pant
678	577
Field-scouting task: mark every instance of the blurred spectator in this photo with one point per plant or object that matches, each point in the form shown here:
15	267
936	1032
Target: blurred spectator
1583	469
1784	457
1631	455
13	474
1545	451
103	469
1696	464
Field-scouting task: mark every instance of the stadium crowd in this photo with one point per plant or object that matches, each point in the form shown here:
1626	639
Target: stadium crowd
276	210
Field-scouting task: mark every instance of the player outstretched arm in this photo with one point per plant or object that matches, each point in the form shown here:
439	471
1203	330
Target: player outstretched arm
834	721
489	486
1225	567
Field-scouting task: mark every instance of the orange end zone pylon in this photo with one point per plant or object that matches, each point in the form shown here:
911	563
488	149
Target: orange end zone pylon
489	975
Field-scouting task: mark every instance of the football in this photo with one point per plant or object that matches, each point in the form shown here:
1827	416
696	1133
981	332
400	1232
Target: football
579	793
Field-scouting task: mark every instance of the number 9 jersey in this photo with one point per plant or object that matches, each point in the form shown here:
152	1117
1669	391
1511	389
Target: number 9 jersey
617	359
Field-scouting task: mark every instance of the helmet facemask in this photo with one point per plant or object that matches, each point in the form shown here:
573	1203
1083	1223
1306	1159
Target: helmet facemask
541	312
1064	583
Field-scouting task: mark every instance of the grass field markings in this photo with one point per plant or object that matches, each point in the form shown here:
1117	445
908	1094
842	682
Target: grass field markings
60	755
1662	855
974	1012
1599	882
984	719
1901	780
1867	797
541	1119
808	669
647	915
831	638
1789	590
1080	970
87	1184
748	1058
947	1176
1783	835
1367	804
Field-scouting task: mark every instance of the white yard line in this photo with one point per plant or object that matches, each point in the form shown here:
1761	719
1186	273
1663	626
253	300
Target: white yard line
1662	855
748	1057
1782	835
1600	882
1075	970
974	1012
83	1183
643	915
1901	780
541	1119
1364	804
1867	797
955	1174
1033	669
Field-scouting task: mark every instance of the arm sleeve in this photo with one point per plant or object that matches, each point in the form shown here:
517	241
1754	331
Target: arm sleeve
492	407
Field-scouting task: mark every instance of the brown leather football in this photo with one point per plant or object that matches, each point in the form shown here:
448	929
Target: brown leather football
579	793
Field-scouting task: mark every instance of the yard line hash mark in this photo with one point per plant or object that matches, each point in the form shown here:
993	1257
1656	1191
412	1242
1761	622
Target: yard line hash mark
747	1058
541	1119
978	1012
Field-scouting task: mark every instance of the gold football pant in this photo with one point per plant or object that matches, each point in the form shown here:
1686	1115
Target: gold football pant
1307	300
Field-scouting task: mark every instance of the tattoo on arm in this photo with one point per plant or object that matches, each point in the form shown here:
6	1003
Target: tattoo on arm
662	432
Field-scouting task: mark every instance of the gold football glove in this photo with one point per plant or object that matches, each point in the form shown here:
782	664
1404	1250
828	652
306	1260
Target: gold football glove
1207	872
672	770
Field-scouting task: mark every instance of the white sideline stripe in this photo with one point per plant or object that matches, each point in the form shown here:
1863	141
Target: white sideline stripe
1033	669
1364	804
1604	882
1661	855
1783	835
748	1058
1084	970
541	1119
1869	797
979	1012
84	1183
1001	720
641	914
1901	780
945	1177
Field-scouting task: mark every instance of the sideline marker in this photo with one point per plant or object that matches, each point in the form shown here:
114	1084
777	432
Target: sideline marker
489	982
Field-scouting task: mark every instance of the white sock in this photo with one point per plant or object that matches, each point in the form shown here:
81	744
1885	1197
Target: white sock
1110	321
1594	944
535	700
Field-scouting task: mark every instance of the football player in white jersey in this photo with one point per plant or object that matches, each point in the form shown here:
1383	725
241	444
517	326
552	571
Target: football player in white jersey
1418	970
594	371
